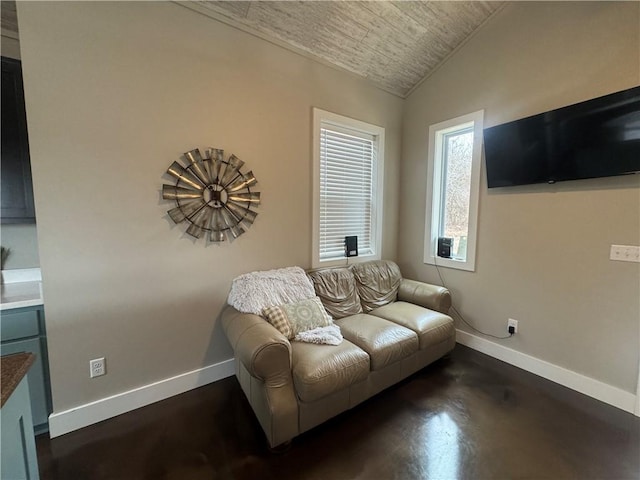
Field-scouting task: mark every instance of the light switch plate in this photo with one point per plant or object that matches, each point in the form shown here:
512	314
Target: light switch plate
625	253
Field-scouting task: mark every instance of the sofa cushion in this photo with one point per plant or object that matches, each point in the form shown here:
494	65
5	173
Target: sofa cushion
384	341
336	287
320	370
293	318
432	327
378	282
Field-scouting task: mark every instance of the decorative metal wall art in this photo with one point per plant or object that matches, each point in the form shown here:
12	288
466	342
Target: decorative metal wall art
212	195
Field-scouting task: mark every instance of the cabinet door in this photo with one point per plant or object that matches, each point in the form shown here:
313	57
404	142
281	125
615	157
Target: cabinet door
19	458
17	190
37	386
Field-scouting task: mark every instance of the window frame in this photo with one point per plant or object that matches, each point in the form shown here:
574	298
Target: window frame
434	198
322	118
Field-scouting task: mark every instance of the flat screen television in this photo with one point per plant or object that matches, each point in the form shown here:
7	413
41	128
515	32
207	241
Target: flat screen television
596	138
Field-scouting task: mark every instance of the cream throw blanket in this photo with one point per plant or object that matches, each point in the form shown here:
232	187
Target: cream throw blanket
252	292
329	335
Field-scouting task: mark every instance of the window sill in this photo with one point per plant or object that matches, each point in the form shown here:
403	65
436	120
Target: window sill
345	261
457	264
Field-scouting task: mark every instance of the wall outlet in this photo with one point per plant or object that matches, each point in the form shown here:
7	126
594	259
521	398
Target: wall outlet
97	367
625	253
512	323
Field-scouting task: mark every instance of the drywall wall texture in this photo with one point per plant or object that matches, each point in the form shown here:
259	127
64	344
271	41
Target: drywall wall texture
115	92
543	251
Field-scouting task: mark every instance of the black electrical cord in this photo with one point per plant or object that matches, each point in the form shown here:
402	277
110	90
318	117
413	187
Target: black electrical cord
435	262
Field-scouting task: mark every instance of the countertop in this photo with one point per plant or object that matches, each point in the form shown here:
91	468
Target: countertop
14	368
20	288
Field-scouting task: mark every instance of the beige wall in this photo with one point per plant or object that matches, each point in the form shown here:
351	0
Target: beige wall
543	250
117	91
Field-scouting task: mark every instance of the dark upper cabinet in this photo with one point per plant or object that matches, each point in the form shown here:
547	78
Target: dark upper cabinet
17	190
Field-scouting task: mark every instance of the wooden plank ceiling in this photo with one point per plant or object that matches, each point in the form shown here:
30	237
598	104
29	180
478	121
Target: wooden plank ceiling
8	19
393	44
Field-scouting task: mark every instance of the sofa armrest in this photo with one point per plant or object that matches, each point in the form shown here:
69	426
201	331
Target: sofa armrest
426	295
264	354
262	349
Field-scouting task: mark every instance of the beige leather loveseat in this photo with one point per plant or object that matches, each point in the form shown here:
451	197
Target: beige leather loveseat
392	327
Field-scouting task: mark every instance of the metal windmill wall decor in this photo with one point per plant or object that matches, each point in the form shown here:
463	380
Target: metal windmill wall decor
212	195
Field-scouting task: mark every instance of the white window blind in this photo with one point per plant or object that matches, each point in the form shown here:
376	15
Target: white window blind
347	179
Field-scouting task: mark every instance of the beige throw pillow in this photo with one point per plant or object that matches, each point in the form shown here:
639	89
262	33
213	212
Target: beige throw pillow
293	318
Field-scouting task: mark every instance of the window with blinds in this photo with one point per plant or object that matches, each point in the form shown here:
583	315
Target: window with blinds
348	162
346	191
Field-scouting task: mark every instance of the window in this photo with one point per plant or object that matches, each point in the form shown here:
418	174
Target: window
348	160
453	173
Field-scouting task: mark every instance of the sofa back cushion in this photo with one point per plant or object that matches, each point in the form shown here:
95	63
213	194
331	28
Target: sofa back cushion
377	283
337	290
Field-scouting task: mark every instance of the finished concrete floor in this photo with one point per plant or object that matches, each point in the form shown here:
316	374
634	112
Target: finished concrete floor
467	416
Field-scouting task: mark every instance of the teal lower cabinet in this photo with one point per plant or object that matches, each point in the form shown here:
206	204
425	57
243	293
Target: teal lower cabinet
23	330
19	459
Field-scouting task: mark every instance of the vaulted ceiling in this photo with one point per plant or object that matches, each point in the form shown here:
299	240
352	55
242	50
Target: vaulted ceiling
392	44
8	19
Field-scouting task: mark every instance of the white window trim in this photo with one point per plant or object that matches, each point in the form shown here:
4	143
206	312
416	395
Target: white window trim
320	117
434	190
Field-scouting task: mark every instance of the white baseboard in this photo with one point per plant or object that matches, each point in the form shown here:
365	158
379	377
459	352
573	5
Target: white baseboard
593	388
94	412
105	408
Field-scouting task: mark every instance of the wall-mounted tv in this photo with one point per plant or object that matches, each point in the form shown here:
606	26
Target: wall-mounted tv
596	138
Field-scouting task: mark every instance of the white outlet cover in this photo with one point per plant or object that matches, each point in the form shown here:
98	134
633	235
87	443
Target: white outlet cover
97	367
